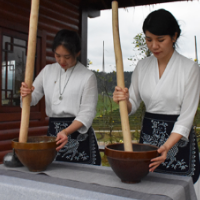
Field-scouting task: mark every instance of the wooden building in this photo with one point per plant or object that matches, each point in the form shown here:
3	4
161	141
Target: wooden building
14	23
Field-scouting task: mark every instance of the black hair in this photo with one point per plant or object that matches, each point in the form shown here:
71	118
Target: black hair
161	22
69	39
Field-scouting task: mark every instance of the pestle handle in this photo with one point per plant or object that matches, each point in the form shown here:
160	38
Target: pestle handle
120	79
30	62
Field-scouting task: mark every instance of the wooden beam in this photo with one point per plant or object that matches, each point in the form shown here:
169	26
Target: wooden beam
84	27
104	4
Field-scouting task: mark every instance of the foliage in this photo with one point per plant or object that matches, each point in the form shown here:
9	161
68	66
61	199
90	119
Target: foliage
104	160
106	85
103	101
89	62
109	118
135	122
106	111
140	48
109	79
196	125
141	51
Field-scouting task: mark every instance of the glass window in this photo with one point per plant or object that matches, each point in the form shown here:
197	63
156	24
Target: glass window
13	69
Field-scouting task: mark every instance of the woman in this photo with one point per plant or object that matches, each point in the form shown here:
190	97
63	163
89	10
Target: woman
71	96
169	85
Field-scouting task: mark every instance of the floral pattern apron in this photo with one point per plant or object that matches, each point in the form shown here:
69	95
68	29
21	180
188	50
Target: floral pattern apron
80	148
183	157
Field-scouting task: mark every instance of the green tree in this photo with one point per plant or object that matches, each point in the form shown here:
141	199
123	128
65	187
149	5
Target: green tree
89	62
141	51
107	110
140	48
196	124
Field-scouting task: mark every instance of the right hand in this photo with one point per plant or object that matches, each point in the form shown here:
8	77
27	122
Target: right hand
155	162
61	140
24	90
120	94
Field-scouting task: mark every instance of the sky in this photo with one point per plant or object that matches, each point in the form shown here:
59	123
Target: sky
130	24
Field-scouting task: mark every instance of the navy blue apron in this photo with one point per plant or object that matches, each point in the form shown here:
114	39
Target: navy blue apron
80	148
183	157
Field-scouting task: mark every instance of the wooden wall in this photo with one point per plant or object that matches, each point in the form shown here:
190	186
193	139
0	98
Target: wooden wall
53	16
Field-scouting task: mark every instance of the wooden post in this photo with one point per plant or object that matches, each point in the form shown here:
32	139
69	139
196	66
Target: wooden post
30	63
120	79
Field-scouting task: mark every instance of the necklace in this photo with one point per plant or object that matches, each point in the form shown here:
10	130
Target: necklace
61	93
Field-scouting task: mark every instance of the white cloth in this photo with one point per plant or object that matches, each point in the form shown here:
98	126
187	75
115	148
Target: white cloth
23	189
197	188
80	95
175	93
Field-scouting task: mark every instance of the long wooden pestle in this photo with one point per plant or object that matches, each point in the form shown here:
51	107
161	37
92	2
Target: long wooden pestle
30	62
120	79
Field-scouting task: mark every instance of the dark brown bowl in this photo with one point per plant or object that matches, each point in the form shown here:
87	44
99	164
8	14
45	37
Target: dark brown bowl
130	167
37	153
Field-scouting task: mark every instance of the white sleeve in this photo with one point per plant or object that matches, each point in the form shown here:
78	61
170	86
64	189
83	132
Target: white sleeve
38	92
189	104
134	95
87	109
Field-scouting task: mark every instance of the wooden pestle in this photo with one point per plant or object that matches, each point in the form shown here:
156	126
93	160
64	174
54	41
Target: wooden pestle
30	62
120	79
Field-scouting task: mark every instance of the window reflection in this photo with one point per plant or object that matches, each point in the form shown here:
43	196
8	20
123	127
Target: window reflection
13	69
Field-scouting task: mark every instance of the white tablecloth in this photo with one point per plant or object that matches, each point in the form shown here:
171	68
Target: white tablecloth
102	180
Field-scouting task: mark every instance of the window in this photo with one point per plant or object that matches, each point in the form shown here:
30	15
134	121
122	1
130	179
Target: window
13	45
13	69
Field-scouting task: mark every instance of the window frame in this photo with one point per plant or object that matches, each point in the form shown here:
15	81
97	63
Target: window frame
13	113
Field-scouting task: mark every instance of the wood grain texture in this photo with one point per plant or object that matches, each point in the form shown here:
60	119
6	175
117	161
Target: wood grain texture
30	63
53	16
120	79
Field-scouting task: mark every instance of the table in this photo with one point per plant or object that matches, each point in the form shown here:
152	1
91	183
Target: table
66	181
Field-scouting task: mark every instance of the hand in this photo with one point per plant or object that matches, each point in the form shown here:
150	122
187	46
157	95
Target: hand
120	94
157	161
61	139
24	90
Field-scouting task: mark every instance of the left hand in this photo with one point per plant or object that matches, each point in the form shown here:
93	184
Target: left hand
61	139
158	160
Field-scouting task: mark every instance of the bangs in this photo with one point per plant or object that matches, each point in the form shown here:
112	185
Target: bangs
161	22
